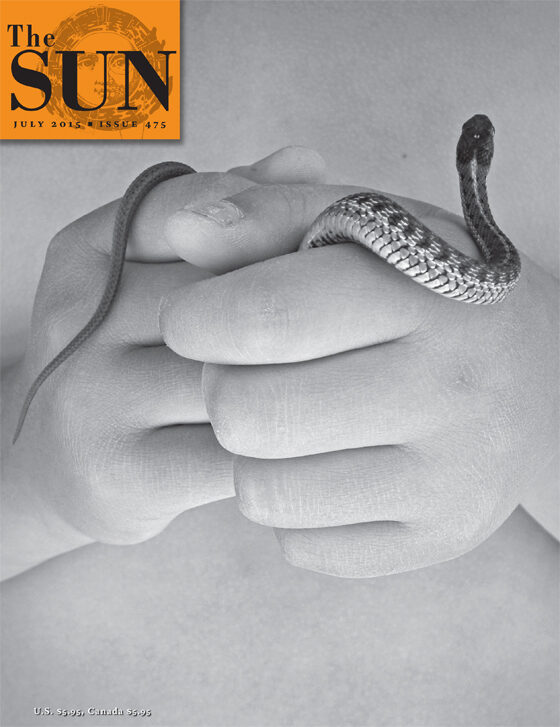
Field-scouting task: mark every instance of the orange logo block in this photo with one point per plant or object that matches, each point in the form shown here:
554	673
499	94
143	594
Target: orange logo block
74	70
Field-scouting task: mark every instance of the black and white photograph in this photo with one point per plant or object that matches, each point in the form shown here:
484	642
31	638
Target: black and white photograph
280	363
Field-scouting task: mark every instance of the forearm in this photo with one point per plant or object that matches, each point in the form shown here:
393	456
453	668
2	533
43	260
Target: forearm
31	531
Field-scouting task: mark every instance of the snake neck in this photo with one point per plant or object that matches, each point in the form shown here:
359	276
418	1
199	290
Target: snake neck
495	247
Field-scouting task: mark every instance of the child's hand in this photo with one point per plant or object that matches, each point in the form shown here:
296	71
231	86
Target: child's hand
379	426
117	442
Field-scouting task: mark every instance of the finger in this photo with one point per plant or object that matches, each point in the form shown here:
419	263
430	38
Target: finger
336	488
290	165
185	468
158	388
367	550
365	398
266	221
294	308
162	473
241	229
146	240
134	317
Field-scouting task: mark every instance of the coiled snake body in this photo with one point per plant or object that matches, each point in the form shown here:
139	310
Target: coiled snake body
368	219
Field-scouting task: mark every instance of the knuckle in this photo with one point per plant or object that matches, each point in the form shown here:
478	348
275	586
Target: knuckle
483	363
454	375
252	501
293	201
63	250
258	321
454	518
64	296
225	405
247	412
458	535
116	505
57	325
285	493
82	403
58	247
465	376
463	386
250	506
299	549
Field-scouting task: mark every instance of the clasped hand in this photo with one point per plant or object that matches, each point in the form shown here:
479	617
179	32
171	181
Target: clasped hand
377	426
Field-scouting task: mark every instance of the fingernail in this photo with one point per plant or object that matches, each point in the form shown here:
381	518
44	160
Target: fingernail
224	212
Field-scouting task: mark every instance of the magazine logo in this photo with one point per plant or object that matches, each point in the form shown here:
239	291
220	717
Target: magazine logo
101	73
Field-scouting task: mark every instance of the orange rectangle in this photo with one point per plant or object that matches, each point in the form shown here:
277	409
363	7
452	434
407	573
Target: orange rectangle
78	70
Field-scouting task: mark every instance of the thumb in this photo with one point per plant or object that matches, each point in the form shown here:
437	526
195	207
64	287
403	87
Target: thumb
290	165
209	235
261	223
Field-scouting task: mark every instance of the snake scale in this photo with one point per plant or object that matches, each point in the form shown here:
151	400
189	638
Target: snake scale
368	219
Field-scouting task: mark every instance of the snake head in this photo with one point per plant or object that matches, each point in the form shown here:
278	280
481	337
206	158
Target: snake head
477	140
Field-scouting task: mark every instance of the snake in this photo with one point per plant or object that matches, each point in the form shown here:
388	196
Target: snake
369	219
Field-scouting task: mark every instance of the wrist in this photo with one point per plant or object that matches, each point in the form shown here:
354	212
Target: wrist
542	499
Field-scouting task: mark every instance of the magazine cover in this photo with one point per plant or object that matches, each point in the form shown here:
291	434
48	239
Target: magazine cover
280	363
